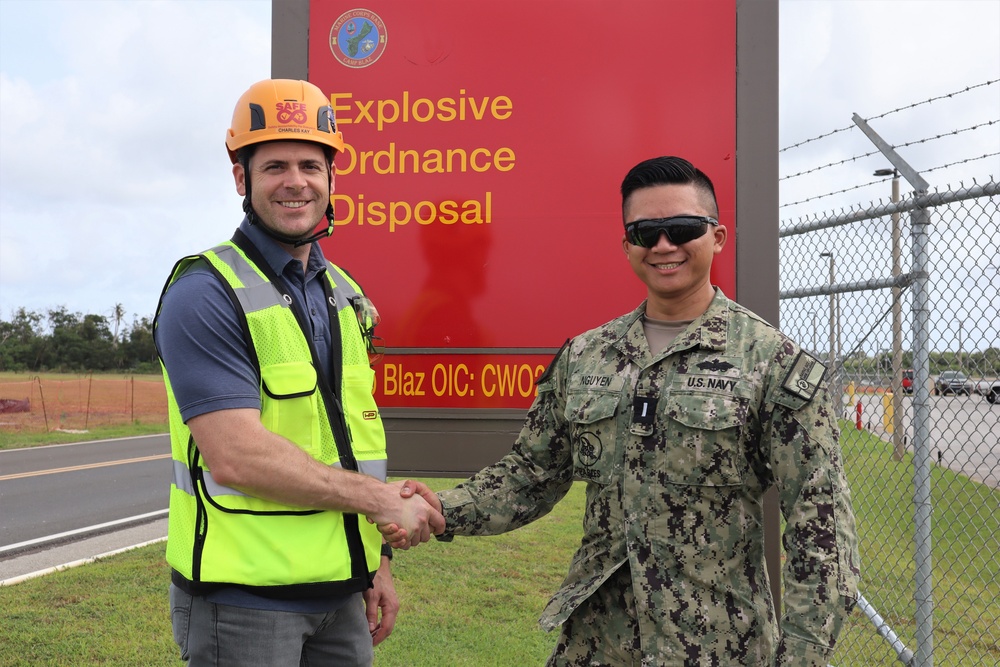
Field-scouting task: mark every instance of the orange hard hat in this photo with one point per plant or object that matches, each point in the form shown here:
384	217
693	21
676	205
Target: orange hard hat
282	110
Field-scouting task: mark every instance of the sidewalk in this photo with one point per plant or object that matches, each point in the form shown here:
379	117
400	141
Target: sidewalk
44	560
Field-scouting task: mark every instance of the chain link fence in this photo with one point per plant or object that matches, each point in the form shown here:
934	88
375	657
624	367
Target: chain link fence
901	301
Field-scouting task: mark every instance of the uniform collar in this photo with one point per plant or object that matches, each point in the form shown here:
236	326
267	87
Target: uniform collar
707	332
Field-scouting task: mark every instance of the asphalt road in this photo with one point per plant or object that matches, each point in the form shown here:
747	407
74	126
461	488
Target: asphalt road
64	503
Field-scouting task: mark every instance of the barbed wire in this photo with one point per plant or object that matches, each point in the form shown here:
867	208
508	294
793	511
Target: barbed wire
892	111
904	145
830	194
870	183
952	164
832	164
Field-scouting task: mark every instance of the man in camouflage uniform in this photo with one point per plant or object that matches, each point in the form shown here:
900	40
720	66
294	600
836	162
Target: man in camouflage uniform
678	416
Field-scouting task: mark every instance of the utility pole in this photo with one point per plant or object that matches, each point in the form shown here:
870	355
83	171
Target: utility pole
896	383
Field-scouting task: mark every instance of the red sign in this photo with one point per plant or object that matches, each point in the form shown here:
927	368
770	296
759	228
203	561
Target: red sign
459	380
477	197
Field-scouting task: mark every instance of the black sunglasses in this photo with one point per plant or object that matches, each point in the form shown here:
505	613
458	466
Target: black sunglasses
679	229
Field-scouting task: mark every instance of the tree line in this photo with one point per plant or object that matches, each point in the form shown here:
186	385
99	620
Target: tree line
61	341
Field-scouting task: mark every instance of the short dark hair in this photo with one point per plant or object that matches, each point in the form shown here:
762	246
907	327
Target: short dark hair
667	170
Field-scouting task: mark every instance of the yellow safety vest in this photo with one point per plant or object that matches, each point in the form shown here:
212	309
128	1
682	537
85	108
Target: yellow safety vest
221	536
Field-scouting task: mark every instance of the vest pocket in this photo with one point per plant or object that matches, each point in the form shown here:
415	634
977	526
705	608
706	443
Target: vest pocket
289	404
367	434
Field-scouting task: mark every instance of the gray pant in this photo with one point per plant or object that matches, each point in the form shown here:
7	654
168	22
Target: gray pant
218	635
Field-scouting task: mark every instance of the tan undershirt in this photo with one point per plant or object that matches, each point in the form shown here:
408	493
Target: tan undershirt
660	333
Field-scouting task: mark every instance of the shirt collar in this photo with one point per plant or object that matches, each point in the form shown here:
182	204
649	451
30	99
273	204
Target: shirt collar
276	256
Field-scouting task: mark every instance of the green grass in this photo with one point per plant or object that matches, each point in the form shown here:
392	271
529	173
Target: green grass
111	612
14	440
472	602
476	601
965	526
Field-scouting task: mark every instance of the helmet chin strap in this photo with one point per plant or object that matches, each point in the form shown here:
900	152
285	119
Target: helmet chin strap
323	231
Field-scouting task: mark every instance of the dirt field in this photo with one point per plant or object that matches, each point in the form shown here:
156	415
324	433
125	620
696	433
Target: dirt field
49	402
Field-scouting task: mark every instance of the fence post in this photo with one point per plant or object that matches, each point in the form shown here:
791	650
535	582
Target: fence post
919	228
896	384
90	386
45	412
923	594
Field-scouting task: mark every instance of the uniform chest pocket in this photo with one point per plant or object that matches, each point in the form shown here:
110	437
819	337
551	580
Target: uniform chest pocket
594	433
703	438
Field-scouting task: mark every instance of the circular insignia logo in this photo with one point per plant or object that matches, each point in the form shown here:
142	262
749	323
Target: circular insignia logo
590	449
357	38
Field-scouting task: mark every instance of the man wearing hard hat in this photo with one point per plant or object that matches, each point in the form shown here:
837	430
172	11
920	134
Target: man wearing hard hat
279	458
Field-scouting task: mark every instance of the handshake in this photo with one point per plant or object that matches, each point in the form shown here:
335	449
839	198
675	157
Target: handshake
410	514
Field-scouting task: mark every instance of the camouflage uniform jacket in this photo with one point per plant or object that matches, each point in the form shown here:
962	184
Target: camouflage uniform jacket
676	451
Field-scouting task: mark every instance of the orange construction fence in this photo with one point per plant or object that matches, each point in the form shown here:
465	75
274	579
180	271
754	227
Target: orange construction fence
38	404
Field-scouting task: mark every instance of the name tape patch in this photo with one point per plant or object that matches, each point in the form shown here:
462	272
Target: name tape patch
603	382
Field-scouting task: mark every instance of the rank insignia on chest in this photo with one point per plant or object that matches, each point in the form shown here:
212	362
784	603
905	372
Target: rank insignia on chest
643	415
805	376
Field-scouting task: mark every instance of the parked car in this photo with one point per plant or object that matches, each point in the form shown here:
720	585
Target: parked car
990	389
951	382
908	381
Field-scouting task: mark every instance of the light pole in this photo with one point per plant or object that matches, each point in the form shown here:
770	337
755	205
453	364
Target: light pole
838	397
896	384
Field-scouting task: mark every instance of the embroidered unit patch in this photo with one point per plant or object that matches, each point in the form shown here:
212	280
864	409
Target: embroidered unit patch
805	376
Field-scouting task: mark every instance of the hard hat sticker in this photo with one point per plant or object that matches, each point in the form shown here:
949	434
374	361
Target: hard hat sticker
357	38
291	112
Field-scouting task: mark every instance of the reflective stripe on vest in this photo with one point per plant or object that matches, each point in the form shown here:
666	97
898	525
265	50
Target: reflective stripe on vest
182	477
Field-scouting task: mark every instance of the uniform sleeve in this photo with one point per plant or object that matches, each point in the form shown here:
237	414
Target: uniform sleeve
820	572
526	483
200	340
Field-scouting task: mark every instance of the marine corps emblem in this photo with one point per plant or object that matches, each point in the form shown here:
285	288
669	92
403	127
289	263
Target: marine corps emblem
358	38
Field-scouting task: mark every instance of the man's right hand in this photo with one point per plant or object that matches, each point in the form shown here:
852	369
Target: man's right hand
413	511
397	536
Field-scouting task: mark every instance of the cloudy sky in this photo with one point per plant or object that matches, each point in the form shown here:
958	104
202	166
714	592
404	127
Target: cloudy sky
112	117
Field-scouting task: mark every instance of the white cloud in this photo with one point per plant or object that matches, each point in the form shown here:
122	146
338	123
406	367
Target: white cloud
871	57
113	163
904	66
113	115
